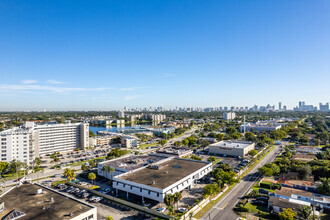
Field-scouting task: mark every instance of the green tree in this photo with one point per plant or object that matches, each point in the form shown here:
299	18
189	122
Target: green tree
177	143
287	214
177	197
3	166
162	142
105	169
304	212
324	187
231	130
38	161
236	135
194	157
304	172
84	167
253	152
92	163
69	174
317	142
211	189
109	217
185	142
92	177
204	143
192	140
249	136
212	158
169	199
111	170
91	134
266	171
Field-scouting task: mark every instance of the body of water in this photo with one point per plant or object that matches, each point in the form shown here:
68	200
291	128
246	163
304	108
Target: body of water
95	129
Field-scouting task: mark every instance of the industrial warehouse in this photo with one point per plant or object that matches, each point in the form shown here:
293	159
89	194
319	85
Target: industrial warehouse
232	148
164	177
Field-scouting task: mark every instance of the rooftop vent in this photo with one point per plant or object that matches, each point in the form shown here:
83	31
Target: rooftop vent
71	214
39	191
153	182
51	199
15	214
155	166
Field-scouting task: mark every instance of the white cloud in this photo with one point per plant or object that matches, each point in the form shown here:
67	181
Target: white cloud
134	88
55	82
168	74
28	81
131	97
47	88
126	89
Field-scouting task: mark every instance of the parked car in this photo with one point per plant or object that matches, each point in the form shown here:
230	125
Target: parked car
161	209
263	198
258	202
182	210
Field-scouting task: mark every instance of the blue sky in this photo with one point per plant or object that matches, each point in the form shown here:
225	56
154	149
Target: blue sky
92	55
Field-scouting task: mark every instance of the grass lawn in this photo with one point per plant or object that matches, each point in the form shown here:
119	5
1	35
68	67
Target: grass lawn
84	161
254	208
144	146
216	161
258	187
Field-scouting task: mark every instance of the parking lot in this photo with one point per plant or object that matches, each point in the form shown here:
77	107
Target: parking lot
104	208
75	156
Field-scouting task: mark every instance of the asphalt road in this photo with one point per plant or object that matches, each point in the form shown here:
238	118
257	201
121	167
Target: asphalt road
224	208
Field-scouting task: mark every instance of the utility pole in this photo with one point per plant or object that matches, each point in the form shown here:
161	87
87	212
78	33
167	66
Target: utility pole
313	206
244	127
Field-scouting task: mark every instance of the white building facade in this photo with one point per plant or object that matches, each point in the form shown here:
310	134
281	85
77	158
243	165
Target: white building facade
30	141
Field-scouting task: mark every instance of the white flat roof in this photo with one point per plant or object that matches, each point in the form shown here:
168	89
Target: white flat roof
232	144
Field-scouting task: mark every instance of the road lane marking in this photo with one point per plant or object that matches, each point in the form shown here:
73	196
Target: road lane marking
225	206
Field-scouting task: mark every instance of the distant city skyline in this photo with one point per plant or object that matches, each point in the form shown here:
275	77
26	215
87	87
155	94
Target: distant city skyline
82	55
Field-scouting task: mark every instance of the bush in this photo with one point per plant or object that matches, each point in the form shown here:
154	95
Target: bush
241	209
56	183
262	214
267	185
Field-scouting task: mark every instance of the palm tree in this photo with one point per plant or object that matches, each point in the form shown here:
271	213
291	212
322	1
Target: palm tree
92	177
111	170
67	172
304	212
70	174
105	169
177	197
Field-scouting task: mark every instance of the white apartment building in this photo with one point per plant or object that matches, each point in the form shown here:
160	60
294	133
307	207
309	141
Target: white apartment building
129	141
229	115
30	141
121	114
15	145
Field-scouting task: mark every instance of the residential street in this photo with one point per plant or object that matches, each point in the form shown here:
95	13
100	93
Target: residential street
224	208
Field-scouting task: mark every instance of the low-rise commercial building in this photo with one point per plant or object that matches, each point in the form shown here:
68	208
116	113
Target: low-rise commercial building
127	164
320	201
32	201
100	141
260	126
175	151
161	178
232	148
130	141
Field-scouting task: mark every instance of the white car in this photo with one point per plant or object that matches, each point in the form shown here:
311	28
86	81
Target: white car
182	210
161	209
